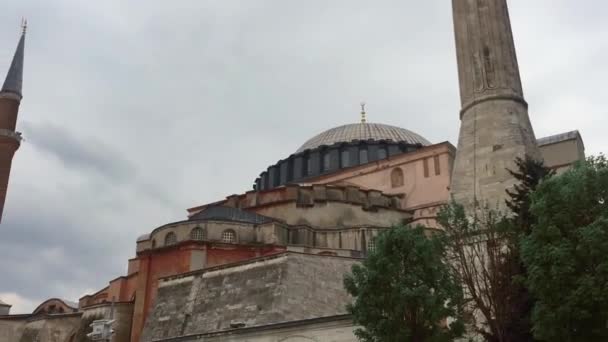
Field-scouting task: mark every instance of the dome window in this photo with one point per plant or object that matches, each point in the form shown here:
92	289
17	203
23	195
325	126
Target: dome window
326	161
345	158
363	156
229	236
309	166
197	233
170	239
382	153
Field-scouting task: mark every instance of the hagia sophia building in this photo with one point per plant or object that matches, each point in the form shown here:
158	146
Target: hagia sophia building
267	265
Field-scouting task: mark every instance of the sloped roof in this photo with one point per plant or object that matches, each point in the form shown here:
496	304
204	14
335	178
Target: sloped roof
3	303
69	304
556	138
14	78
230	214
143	237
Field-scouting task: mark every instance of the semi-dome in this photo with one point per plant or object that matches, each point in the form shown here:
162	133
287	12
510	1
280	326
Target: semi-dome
363	131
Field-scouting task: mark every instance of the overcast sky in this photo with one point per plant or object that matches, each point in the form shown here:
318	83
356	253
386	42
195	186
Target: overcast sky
134	111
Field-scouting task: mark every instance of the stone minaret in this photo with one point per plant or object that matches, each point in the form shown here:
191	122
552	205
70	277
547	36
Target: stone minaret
10	98
495	127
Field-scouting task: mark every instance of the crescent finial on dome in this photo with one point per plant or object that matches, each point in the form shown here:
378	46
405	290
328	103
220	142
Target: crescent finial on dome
363	112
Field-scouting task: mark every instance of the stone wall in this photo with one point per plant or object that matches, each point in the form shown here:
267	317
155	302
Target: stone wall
11	328
250	294
48	328
325	329
561	151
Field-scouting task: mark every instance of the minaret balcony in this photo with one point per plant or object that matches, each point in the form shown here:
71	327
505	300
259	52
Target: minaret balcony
11	134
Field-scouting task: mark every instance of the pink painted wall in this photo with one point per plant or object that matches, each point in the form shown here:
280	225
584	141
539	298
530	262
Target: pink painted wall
421	188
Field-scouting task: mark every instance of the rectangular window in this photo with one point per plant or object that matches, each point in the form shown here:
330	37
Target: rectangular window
345	156
381	153
437	166
425	164
326	161
362	156
309	166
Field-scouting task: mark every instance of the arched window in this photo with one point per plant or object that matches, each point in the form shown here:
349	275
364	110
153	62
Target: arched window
153	243
371	245
363	156
228	236
170	239
396	177
345	158
197	233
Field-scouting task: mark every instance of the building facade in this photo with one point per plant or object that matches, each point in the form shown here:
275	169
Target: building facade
267	265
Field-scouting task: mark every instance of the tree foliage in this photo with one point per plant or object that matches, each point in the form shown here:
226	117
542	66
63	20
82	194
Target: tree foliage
484	250
482	262
566	255
403	291
529	172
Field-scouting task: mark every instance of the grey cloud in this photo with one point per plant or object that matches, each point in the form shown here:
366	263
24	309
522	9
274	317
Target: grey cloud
87	153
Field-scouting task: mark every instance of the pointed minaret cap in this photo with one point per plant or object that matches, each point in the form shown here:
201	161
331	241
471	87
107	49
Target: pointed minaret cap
14	78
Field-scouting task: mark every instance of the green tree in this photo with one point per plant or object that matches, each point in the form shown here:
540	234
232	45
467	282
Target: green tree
484	253
482	262
566	255
403	291
530	173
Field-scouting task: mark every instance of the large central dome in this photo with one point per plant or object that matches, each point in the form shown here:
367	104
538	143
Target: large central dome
363	131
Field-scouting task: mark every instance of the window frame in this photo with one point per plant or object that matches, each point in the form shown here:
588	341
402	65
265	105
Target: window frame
225	233
371	245
394	172
363	152
326	161
345	158
194	234
170	239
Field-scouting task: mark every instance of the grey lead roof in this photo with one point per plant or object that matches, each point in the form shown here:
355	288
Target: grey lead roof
14	78
143	237
552	139
70	303
230	214
363	131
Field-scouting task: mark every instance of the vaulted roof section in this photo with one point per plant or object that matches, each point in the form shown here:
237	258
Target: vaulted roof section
230	214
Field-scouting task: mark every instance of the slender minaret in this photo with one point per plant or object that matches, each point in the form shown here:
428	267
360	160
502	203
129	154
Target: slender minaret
10	98
495	127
